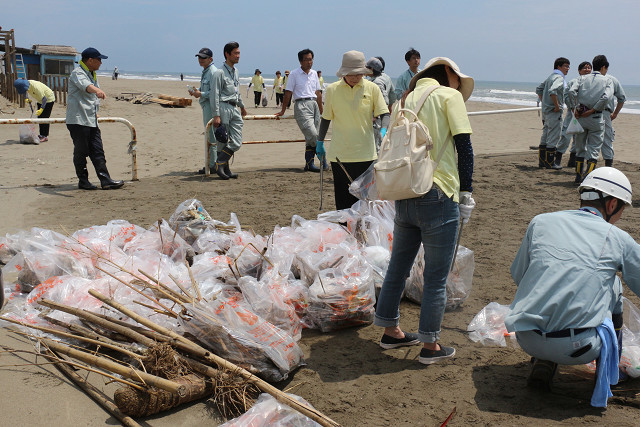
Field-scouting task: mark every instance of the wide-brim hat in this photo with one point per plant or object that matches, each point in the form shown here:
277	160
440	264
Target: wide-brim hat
353	63
466	82
21	86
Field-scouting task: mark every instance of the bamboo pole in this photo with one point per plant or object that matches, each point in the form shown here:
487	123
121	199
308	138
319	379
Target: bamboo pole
97	396
225	364
117	368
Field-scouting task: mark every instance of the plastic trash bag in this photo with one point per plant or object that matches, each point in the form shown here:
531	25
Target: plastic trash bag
630	359
232	331
574	125
364	186
459	281
487	327
268	412
29	134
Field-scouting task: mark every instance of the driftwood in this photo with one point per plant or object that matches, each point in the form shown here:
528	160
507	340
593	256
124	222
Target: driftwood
138	403
201	352
93	392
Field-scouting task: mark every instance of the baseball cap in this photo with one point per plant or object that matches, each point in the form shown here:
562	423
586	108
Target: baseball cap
92	52
205	52
221	134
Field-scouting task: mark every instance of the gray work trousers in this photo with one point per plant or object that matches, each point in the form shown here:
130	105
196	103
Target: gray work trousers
609	136
551	129
307	115
231	118
589	142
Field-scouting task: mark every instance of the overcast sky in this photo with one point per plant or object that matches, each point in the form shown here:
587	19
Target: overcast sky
502	40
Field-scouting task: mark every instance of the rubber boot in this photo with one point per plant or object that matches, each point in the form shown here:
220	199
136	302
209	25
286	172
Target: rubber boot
608	162
223	160
591	165
542	150
579	165
541	376
549	156
309	154
83	179
572	160
557	161
228	172
105	180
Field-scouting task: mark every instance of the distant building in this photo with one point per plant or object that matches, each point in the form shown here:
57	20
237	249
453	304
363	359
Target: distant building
43	59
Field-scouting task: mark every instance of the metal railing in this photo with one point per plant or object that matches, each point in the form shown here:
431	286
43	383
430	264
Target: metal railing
132	144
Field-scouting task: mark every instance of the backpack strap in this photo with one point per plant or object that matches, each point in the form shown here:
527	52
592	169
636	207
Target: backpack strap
421	102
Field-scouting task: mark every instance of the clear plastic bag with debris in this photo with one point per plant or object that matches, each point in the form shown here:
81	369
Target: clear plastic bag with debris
630	359
268	412
487	327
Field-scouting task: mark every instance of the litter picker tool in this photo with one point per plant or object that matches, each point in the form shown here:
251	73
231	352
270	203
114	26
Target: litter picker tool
455	254
344	170
321	178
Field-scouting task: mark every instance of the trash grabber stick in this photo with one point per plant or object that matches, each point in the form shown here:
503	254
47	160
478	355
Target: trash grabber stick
455	254
321	178
344	170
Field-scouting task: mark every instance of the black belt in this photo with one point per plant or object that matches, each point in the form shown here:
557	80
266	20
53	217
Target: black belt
561	334
234	103
305	99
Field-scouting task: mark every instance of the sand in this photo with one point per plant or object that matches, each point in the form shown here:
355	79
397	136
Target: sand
347	376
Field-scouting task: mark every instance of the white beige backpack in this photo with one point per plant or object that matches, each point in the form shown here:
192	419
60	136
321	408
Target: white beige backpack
404	169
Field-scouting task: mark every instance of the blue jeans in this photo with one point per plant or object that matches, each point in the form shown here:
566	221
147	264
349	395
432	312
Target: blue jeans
433	221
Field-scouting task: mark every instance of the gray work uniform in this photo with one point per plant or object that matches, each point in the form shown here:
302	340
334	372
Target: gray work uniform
552	128
609	132
403	83
206	102
225	102
593	91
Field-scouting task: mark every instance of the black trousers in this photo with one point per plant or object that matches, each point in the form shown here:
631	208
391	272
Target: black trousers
46	113
257	96
344	199
279	98
87	142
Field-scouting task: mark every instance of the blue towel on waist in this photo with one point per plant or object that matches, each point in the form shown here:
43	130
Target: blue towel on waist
607	372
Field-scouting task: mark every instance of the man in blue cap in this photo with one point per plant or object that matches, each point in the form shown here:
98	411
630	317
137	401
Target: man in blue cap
83	101
205	95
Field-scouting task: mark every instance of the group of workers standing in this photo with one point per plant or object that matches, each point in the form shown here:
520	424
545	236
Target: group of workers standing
594	98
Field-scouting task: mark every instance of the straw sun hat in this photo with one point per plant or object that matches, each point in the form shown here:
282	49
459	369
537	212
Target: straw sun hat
353	63
466	82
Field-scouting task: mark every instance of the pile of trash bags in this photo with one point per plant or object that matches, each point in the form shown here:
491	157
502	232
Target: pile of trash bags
250	295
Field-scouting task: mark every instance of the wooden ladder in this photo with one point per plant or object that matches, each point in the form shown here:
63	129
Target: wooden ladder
20	69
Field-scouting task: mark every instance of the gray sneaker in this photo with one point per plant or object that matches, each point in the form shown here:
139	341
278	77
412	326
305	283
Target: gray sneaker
388	341
428	357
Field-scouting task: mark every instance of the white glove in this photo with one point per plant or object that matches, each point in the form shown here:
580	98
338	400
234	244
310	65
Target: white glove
466	205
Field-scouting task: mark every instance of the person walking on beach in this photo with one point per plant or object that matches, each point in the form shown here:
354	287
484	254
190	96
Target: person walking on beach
205	95
567	309
432	219
284	85
278	88
83	101
321	81
115	72
386	87
45	98
258	84
412	57
350	105
583	69
610	113
303	86
224	109
551	94
589	96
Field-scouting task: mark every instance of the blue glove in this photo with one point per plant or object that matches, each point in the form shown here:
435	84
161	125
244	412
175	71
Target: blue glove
320	150
383	132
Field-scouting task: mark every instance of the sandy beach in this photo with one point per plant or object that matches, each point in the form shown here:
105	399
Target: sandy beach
347	376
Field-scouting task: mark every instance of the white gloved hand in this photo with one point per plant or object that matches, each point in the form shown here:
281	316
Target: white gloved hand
466	205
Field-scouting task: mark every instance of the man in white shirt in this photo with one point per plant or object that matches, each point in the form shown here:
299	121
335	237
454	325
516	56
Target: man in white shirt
303	85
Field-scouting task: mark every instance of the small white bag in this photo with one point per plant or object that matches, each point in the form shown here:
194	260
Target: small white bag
574	125
404	169
29	134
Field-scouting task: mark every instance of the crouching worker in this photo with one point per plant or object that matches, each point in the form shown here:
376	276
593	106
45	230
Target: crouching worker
568	306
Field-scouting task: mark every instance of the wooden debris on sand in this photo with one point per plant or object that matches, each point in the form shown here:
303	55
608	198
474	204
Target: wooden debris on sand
171	101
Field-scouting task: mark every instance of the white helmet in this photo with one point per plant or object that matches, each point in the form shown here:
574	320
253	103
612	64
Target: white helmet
609	181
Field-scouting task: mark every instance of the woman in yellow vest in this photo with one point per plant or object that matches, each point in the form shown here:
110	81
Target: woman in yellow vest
258	83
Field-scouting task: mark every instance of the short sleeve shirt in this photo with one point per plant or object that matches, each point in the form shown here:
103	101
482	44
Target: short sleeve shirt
303	85
351	110
445	114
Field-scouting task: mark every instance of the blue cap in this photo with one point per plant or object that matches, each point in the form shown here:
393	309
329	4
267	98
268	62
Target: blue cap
204	53
21	86
221	134
92	52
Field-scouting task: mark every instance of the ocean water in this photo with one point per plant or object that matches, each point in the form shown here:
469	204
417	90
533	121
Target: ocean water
508	93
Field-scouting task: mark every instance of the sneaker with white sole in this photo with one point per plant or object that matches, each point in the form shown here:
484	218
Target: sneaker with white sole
388	341
427	357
